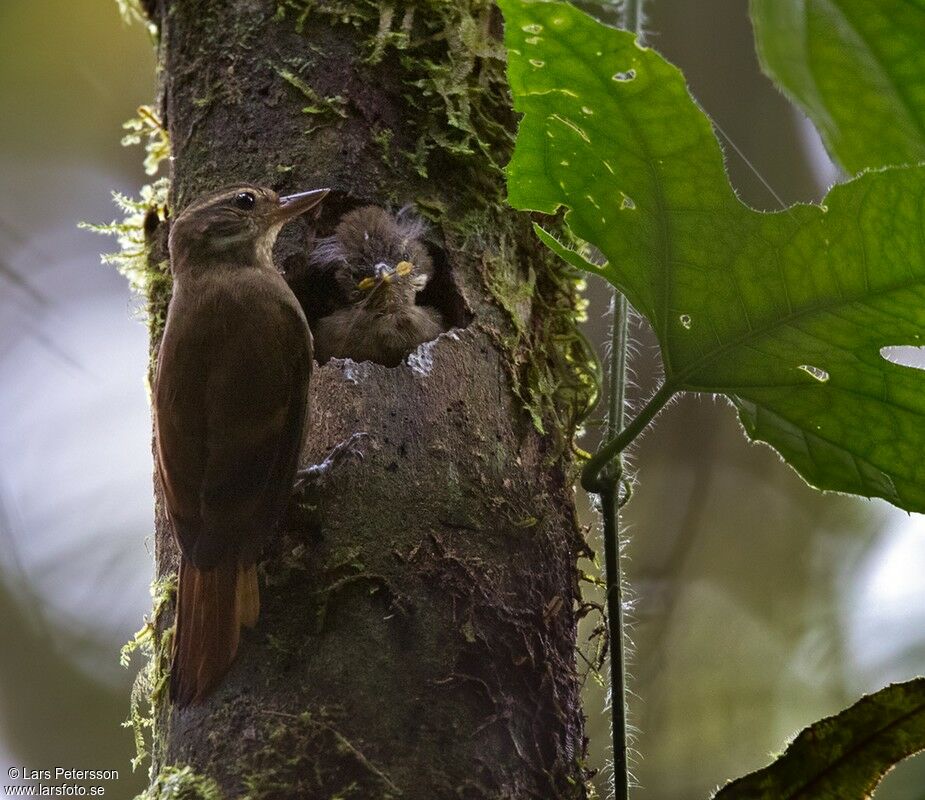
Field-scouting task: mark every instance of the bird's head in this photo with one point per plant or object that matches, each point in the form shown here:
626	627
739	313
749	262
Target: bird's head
235	225
378	257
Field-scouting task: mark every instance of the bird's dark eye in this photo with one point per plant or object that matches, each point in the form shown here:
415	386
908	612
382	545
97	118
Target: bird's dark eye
244	200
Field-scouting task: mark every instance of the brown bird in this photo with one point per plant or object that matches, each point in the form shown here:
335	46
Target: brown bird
380	264
229	411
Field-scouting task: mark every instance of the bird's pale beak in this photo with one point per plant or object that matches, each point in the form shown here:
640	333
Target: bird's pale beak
292	205
402	269
385	275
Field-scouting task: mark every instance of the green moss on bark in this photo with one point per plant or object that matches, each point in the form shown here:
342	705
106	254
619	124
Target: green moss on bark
142	254
350	775
154	645
181	783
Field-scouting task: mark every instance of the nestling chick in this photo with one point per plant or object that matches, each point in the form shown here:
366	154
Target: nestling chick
380	264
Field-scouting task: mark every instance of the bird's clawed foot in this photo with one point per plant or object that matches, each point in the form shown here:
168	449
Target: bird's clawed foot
305	505
308	481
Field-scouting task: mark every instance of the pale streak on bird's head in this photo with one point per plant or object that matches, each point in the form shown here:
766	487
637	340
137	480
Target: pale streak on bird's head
234	226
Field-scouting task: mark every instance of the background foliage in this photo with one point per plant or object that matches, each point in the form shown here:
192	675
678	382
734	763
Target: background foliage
855	68
610	133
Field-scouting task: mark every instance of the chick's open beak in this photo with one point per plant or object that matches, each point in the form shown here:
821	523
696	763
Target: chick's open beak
292	205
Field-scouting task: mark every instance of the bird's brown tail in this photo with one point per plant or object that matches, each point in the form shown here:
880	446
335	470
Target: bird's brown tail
212	605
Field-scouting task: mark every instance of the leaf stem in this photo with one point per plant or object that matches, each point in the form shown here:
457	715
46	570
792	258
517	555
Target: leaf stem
593	477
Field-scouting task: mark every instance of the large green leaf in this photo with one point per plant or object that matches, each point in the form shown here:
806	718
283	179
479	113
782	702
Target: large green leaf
843	757
786	313
856	67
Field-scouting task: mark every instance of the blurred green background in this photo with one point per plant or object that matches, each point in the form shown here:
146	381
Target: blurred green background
757	605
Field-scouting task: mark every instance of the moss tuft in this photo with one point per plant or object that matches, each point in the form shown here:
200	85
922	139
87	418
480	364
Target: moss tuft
302	774
131	12
555	371
181	783
147	128
152	678
452	72
141	257
318	104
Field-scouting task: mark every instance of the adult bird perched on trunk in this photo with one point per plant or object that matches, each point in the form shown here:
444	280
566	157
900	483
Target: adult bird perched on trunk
230	412
380	264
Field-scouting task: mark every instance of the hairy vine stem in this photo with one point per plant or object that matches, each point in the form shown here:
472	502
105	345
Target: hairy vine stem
632	16
608	488
603	474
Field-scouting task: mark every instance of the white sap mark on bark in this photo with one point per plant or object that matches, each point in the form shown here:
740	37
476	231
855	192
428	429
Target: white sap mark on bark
421	360
354	372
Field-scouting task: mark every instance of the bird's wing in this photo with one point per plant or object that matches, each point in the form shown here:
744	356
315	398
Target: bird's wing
256	406
179	426
230	406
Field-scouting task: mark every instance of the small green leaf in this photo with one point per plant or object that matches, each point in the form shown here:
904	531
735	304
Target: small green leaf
856	67
846	756
785	313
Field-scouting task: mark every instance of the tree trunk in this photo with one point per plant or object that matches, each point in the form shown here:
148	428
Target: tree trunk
420	641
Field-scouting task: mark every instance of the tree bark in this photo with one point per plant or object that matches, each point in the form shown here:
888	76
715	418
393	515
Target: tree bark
420	641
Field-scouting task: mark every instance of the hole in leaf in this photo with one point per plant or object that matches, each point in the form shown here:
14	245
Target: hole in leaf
627	202
623	77
537	63
685	321
905	355
532	28
815	372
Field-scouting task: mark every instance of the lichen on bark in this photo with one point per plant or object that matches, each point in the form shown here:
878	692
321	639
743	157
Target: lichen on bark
421	642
